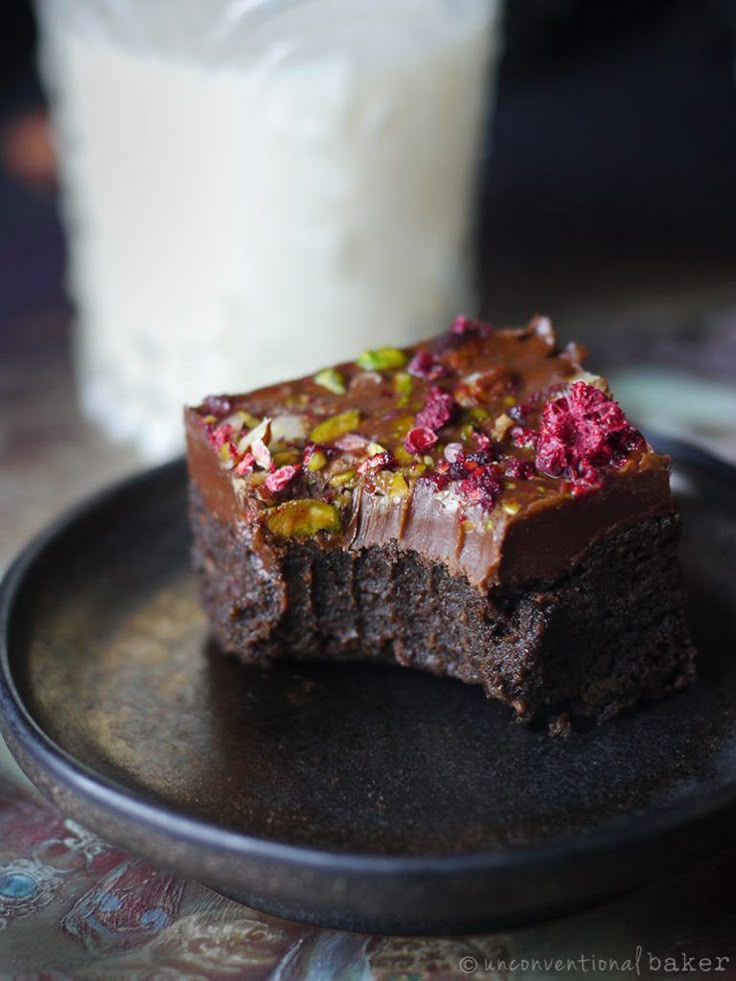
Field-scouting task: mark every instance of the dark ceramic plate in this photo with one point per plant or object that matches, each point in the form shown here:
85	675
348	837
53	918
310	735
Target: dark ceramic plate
357	797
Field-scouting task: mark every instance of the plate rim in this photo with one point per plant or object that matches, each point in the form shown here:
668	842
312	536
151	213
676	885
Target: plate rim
26	737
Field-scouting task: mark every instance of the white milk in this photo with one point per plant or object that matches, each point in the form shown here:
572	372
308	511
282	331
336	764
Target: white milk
250	199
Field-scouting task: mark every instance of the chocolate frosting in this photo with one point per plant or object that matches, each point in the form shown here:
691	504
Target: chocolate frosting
537	528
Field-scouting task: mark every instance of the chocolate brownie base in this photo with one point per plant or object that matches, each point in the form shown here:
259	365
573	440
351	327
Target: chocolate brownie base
587	645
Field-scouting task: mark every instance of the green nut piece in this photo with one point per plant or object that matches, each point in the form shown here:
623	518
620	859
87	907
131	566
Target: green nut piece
402	386
382	359
302	518
398	487
335	427
340	479
477	414
402	456
332	380
286	457
317	460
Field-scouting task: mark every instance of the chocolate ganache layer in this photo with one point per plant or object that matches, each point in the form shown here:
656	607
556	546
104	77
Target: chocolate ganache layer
489	450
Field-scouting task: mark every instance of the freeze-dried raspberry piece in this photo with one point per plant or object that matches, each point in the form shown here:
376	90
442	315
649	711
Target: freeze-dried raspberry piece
437	411
262	455
437	481
524	436
217	405
352	442
519	469
246	465
482	486
277	480
219	435
378	461
581	433
419	439
462	326
426	365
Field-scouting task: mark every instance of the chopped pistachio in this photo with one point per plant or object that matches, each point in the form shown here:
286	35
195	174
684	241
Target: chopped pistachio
298	400
227	460
418	469
468	525
403	384
511	485
398	486
335	427
373	448
489	524
401	427
332	380
286	457
477	414
317	460
403	457
428	460
240	420
302	517
261	431
466	432
511	507
342	478
509	400
381	359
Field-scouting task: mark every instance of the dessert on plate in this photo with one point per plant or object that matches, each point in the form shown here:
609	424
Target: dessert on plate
476	506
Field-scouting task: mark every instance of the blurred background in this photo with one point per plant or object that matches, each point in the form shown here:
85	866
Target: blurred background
607	200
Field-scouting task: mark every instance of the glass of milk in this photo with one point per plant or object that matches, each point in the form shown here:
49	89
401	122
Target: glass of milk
253	189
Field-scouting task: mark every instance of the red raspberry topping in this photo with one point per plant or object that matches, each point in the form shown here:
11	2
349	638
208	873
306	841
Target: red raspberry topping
311	448
461	326
482	486
437	411
220	435
351	442
277	480
217	405
581	433
437	481
519	469
246	465
419	439
379	461
425	365
262	455
524	436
